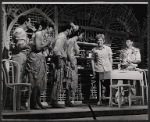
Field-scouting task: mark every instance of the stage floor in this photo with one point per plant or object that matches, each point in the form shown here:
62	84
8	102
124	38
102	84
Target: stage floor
79	111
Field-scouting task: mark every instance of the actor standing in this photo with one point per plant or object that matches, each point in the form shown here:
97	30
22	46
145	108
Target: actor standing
36	64
101	63
72	71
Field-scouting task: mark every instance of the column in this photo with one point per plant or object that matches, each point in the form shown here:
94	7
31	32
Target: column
56	20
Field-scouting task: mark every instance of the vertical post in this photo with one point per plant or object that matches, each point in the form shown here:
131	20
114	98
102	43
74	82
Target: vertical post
4	23
2	102
56	20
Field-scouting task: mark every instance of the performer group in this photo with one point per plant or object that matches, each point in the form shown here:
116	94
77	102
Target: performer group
31	55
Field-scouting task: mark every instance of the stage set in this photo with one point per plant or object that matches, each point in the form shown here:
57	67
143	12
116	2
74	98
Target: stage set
117	22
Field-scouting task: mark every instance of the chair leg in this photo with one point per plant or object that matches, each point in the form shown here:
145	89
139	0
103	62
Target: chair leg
129	97
19	97
100	94
110	98
143	95
5	96
29	94
14	99
119	97
147	94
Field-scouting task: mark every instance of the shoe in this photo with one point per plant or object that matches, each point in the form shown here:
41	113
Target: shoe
69	104
99	103
35	107
23	108
58	106
42	107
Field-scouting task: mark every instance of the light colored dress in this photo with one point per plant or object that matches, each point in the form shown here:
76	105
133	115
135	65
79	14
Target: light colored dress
36	65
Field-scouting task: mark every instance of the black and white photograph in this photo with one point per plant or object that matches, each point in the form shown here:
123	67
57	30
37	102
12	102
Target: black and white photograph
74	61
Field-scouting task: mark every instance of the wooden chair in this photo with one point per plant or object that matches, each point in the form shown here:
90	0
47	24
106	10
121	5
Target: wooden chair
13	82
124	75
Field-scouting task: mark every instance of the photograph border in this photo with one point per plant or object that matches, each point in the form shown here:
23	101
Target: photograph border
82	2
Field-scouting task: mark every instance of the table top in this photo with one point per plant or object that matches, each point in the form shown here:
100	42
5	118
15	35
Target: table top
122	75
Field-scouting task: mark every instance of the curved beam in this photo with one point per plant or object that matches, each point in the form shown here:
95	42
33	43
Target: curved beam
120	21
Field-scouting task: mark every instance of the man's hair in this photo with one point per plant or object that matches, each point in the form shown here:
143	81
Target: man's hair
50	25
65	27
78	32
22	19
131	39
43	23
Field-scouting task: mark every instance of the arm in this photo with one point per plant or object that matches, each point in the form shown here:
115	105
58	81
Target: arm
138	58
77	48
92	63
69	55
39	45
57	46
93	69
110	57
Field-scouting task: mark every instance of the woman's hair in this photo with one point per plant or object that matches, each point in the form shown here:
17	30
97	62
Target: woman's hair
100	36
129	39
36	25
44	23
65	27
22	19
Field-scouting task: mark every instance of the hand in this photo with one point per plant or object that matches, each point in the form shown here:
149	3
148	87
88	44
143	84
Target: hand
94	75
128	61
59	62
73	67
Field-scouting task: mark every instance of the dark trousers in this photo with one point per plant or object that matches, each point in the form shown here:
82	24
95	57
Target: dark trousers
35	97
106	84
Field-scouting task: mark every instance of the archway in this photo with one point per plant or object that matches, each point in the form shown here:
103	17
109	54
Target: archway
35	14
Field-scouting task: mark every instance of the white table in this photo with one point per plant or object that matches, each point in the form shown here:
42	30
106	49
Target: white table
119	75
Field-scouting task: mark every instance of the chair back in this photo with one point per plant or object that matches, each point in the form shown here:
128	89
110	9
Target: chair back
11	71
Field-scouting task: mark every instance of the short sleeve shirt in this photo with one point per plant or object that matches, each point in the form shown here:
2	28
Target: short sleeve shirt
20	36
132	54
101	59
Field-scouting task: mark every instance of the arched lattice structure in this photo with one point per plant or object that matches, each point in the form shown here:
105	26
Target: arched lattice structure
35	12
101	16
